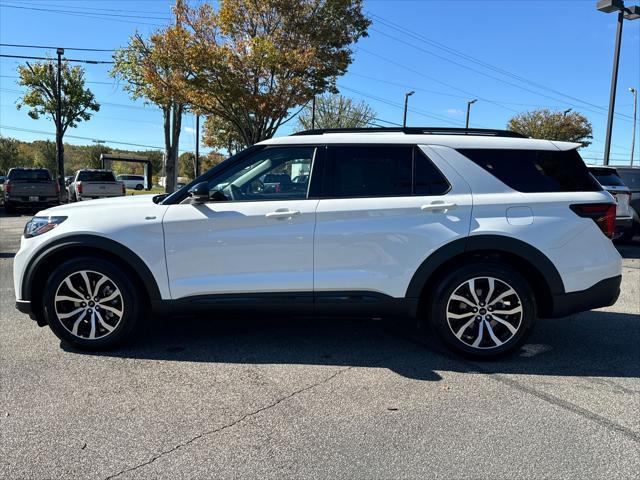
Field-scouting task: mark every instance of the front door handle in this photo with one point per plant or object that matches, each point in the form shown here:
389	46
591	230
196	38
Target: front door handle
282	213
438	206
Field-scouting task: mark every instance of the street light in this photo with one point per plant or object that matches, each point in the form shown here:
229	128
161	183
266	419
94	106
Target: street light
630	13
635	115
564	114
406	103
469	103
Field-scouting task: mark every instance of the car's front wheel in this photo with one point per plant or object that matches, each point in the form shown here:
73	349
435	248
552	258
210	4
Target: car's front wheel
483	309
139	187
90	303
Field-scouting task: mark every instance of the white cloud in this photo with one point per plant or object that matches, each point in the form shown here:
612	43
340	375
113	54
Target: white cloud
189	130
453	111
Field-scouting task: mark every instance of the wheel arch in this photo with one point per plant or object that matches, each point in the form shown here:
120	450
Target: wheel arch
535	266
52	255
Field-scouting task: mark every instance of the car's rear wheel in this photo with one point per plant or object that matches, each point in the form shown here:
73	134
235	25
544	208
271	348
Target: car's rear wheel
483	309
90	303
139	187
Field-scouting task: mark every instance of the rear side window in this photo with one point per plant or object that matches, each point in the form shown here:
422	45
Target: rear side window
371	171
536	170
32	175
381	171
606	176
96	177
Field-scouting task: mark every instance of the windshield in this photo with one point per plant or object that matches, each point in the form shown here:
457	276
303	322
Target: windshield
96	177
631	178
30	175
607	176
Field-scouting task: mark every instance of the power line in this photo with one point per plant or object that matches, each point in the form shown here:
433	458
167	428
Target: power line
482	63
17	45
113	83
47	2
26	57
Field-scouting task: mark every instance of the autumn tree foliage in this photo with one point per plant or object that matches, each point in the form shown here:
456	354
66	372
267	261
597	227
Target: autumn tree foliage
152	73
553	125
336	111
251	64
77	103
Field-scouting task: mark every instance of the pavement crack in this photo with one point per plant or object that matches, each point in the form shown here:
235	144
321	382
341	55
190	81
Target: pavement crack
231	424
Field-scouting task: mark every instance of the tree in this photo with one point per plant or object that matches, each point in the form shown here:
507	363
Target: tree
251	62
45	155
77	102
336	111
553	125
151	74
218	133
9	152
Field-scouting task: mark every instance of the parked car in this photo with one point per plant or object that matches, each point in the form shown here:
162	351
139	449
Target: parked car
30	188
631	178
134	182
610	180
474	233
92	184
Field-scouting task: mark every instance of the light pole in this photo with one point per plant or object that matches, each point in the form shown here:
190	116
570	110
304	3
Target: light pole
564	114
630	13
469	103
406	104
635	116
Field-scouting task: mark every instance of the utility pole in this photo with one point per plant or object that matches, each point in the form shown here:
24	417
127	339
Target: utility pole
635	118
469	103
313	112
197	166
59	146
406	105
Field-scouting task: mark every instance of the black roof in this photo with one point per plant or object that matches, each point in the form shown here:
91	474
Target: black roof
483	132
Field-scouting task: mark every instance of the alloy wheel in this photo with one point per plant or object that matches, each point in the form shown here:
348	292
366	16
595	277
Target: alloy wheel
484	312
89	304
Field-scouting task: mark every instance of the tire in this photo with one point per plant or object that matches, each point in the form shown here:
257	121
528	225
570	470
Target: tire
9	208
629	233
139	187
480	333
94	326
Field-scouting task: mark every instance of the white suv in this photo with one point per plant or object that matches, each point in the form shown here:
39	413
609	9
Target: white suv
473	232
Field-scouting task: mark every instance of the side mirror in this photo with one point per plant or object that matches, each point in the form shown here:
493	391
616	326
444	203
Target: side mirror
199	193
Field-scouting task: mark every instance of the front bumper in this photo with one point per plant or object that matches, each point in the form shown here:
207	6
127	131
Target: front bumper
602	294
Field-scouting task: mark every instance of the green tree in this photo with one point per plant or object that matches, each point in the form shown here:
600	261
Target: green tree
553	125
336	111
9	154
187	165
220	134
150	73
40	79
251	63
45	155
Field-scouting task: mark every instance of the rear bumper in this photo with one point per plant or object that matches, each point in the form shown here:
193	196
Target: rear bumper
602	294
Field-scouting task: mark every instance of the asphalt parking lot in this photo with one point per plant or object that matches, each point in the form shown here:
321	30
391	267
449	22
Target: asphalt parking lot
228	398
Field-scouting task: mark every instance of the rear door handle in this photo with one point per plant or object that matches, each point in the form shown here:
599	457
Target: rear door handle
438	206
283	214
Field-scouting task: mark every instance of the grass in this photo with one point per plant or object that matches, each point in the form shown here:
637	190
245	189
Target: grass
153	191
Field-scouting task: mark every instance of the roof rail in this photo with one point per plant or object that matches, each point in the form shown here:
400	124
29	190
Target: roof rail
487	132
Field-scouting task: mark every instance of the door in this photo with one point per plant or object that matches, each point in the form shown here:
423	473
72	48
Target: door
382	211
254	236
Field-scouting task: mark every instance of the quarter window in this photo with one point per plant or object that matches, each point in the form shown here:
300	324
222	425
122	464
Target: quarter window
427	179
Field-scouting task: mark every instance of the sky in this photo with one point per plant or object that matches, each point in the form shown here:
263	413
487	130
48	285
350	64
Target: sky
511	55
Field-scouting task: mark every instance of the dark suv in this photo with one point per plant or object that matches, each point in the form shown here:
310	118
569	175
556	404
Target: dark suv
631	178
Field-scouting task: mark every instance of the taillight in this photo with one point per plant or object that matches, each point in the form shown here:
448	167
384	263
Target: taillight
79	187
604	214
7	186
57	187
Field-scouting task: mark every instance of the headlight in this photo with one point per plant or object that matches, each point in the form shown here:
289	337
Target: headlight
39	225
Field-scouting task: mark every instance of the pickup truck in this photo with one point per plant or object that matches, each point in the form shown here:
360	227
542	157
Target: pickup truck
90	184
30	187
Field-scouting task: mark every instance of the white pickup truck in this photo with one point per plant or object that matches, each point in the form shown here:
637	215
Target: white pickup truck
89	184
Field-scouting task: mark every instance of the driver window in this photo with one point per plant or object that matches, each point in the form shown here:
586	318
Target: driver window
271	174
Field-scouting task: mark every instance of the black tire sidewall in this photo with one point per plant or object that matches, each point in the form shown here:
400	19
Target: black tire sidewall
131	309
139	187
453	280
